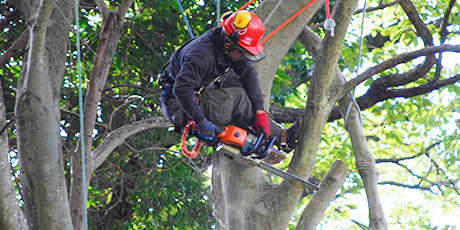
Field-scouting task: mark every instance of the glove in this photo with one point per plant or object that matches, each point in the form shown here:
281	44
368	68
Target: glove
261	123
208	129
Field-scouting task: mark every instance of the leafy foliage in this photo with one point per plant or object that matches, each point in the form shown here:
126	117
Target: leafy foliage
145	184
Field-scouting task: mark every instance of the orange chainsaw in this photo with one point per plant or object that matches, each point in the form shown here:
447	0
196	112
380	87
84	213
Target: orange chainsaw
244	148
258	147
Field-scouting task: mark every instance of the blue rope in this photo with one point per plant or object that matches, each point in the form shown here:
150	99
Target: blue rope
80	104
185	19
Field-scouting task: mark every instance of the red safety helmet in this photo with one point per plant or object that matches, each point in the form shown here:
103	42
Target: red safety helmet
245	29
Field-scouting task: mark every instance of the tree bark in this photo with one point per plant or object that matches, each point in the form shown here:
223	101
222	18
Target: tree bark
365	163
37	115
278	45
320	200
233	196
11	215
118	136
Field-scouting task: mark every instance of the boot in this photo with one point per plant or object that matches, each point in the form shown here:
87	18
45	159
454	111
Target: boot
291	135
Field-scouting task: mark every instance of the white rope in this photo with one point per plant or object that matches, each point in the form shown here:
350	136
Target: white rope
352	93
82	135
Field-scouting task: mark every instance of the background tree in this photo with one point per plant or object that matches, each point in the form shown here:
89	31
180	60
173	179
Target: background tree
124	45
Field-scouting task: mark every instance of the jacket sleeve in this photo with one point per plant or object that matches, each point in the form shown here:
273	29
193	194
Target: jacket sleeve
188	78
250	81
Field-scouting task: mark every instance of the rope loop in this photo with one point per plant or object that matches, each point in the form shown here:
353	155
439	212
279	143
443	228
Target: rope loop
190	154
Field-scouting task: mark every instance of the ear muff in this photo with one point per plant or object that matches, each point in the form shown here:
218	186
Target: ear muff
241	21
226	15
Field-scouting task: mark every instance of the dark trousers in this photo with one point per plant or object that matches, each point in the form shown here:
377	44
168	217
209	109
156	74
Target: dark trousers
222	106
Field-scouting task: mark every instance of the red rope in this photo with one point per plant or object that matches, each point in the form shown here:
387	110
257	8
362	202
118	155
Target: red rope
287	21
246	5
196	148
328	13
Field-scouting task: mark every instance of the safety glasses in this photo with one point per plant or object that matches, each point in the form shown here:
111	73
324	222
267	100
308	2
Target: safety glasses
250	56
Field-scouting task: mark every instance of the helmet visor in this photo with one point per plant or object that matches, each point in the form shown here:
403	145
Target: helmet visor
253	57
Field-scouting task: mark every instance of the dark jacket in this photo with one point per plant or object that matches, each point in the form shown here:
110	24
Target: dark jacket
199	62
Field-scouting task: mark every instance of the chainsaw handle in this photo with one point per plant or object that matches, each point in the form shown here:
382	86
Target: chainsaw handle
269	146
202	137
256	144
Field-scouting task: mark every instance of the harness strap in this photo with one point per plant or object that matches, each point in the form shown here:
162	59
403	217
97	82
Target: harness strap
217	79
283	143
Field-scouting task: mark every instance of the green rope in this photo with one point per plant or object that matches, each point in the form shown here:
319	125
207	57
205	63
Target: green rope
217	12
80	104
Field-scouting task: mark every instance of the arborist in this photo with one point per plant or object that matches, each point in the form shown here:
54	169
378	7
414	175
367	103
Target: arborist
210	80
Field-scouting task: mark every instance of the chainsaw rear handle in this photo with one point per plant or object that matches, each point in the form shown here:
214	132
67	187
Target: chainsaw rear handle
207	139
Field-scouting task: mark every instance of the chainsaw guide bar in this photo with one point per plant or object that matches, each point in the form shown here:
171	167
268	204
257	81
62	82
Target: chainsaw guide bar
248	161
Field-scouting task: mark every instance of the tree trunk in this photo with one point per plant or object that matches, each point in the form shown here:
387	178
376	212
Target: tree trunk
38	114
271	207
233	196
11	215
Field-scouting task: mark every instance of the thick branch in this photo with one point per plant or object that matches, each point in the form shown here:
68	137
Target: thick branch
102	8
320	200
419	25
118	136
443	33
11	215
20	43
402	58
364	159
379	7
123	8
97	79
372	97
108	43
445	21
